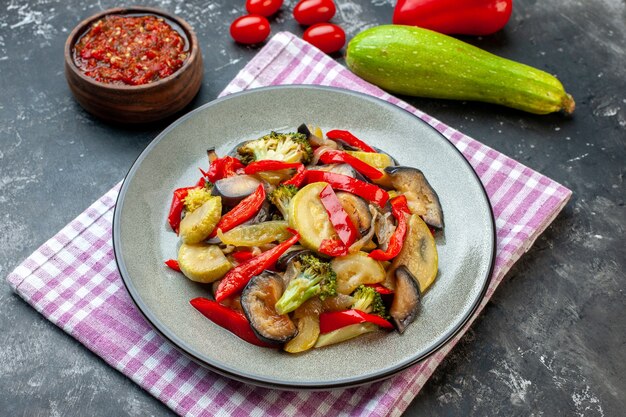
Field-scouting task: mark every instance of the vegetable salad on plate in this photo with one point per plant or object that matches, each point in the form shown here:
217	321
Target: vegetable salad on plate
307	239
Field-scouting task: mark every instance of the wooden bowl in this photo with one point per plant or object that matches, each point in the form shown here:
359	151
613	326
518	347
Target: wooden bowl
141	103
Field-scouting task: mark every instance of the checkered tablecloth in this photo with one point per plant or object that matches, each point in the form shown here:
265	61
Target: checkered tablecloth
73	280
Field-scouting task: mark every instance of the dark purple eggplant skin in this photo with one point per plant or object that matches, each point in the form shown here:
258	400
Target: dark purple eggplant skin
406	300
304	129
285	258
406	179
258	299
234	189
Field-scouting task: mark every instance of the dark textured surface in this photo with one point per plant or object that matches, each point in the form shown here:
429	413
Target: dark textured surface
552	341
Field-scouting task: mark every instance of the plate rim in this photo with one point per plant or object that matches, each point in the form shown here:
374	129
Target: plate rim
268	382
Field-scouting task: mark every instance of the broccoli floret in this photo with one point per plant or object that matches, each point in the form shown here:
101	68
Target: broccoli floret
287	147
281	197
316	277
367	299
197	197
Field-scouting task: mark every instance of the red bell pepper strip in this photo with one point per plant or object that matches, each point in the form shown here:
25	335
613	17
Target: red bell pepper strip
350	139
334	320
224	167
333	247
298	178
238	277
382	290
173	264
400	211
242	255
342	182
338	216
338	157
271	165
231	320
453	17
243	211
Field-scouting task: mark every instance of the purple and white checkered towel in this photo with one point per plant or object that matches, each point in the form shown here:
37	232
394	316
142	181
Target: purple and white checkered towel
73	280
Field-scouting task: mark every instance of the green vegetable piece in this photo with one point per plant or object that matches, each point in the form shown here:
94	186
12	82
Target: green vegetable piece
368	300
315	277
419	62
281	197
286	147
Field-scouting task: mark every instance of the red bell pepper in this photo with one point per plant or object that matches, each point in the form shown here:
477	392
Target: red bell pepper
334	320
232	320
238	277
338	157
333	247
342	182
400	211
224	167
173	264
382	290
338	216
271	165
178	204
453	17
350	139
243	211
242	255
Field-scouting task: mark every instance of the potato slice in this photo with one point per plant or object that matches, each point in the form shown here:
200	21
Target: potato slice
202	263
198	225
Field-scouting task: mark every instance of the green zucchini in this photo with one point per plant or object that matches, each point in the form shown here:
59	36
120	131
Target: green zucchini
419	62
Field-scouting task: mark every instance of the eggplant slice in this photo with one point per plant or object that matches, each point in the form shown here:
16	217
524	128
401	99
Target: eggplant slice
358	211
406	300
258	299
421	197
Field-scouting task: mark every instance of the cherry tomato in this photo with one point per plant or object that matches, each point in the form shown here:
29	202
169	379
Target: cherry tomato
327	37
309	12
263	7
250	29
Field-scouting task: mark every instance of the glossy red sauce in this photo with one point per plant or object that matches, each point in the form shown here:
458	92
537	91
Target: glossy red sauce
132	50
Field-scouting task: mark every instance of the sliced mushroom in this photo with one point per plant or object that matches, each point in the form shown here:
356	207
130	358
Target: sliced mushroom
357	210
258	299
406	299
421	197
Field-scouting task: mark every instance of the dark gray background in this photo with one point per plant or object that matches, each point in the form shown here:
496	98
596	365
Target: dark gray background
551	341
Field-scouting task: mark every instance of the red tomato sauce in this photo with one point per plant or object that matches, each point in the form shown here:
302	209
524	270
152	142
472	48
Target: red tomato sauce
131	50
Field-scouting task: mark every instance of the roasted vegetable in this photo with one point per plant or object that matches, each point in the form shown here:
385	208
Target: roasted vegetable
421	197
356	269
369	300
198	225
286	147
307	318
281	197
256	234
202	263
418	254
357	209
234	189
315	278
196	197
308	216
258	299
406	299
419	62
